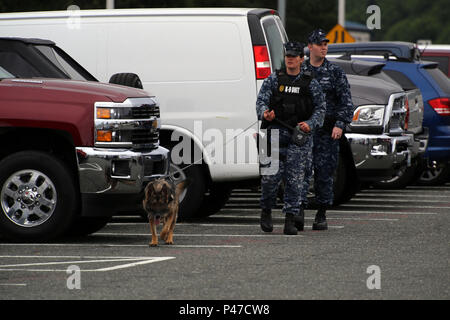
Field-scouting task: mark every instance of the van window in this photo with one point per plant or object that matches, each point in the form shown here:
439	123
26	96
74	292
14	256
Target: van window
443	62
275	43
176	51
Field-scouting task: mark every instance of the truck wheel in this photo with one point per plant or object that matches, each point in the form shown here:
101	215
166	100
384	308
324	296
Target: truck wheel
437	175
400	179
126	79
38	197
214	200
192	197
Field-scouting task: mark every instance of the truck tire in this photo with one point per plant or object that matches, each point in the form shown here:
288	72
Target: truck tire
401	178
192	197
214	200
437	175
126	79
38	196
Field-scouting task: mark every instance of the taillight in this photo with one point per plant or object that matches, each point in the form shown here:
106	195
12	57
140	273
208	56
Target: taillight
407	113
441	106
262	62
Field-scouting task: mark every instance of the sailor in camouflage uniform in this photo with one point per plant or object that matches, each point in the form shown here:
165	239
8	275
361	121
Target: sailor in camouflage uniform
297	100
339	112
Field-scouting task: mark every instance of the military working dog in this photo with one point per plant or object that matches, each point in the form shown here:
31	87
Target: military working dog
161	202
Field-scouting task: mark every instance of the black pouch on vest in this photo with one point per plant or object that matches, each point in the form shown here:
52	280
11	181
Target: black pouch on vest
299	137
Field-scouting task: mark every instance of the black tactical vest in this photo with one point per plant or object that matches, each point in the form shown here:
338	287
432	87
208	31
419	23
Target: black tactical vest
291	100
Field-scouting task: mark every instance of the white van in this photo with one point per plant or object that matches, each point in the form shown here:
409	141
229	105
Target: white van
205	66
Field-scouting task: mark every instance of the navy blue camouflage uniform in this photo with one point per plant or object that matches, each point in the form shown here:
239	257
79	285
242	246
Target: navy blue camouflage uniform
293	159
339	112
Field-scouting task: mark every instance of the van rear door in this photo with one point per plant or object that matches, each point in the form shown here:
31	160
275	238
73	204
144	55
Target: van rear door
268	37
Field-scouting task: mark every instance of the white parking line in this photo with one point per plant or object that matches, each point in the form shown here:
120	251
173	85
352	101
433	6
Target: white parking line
365	199
30	266
108	245
391	206
256	217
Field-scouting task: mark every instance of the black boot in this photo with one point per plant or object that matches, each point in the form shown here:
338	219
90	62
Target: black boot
289	225
320	222
266	220
300	219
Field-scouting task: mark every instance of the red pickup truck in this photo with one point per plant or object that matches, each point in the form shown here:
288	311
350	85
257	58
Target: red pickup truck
73	154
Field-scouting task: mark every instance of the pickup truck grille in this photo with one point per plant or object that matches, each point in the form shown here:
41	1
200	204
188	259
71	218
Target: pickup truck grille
141	137
145	111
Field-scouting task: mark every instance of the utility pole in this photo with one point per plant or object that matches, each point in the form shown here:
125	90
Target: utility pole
341	13
282	11
109	4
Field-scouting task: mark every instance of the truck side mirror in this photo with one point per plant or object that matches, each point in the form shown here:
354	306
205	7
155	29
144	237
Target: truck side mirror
126	79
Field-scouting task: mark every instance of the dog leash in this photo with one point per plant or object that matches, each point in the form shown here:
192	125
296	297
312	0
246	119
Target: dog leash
225	144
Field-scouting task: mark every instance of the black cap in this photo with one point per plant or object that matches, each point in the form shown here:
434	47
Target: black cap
317	36
294	48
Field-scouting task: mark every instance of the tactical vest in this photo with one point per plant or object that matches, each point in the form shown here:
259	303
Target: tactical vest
291	100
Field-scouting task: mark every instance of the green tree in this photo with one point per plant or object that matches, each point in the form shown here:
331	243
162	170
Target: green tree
406	20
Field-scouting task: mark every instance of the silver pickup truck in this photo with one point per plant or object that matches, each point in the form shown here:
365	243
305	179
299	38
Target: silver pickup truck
404	124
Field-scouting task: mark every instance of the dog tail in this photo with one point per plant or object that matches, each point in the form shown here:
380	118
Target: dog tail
179	188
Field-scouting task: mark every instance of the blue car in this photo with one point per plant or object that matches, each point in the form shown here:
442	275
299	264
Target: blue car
403	64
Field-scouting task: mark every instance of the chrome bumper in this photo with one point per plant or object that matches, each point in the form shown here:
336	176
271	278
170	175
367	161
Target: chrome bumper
119	171
380	152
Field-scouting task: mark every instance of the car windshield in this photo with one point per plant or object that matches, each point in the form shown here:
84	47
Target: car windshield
5	74
60	62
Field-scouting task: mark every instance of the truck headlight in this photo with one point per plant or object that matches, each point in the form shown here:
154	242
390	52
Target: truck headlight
369	115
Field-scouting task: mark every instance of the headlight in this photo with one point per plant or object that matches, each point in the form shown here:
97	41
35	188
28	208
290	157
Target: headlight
370	115
134	123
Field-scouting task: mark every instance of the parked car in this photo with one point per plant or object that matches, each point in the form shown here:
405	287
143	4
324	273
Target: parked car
73	152
439	53
207	84
403	64
407	172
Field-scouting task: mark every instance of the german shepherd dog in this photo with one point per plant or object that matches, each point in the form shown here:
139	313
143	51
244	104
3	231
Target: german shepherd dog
161	202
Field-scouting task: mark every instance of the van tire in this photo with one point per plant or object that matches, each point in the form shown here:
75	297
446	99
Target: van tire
44	177
216	198
126	79
192	198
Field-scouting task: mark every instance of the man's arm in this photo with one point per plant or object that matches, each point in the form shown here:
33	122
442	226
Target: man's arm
344	107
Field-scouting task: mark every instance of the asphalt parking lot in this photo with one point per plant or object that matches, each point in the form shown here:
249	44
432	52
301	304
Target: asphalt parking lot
383	244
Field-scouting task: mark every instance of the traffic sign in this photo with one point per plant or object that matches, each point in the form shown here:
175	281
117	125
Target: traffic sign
339	35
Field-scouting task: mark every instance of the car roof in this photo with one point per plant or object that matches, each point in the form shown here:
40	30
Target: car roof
435	47
140	12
